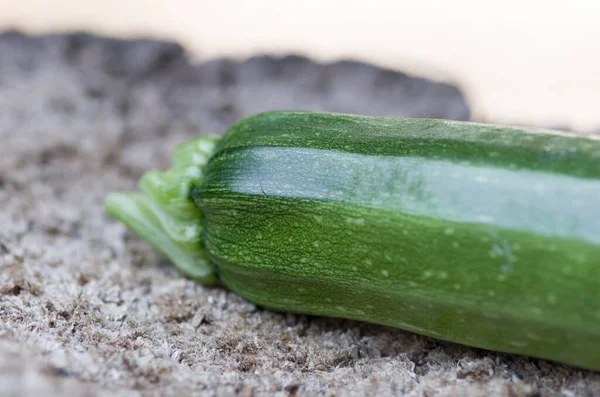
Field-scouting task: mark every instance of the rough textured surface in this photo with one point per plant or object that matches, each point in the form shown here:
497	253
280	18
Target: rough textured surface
87	309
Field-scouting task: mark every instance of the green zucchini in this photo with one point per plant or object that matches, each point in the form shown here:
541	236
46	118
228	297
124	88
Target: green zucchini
483	235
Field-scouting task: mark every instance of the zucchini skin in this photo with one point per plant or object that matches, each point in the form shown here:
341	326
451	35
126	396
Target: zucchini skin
477	234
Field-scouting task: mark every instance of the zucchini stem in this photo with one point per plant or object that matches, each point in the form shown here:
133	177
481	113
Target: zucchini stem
164	214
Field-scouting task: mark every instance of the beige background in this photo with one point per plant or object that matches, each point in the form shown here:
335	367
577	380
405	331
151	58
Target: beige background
523	62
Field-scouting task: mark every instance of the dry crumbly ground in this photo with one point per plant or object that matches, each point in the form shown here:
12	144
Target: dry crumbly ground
88	309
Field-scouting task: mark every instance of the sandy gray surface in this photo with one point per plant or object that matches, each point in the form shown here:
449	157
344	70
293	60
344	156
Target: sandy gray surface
88	309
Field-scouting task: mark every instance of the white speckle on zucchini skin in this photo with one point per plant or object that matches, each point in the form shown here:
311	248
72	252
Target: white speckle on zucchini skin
358	221
490	315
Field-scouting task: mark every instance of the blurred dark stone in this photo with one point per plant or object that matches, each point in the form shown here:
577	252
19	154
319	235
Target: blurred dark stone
216	93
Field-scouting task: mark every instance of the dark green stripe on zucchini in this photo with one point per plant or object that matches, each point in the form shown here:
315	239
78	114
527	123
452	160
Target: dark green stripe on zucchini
477	234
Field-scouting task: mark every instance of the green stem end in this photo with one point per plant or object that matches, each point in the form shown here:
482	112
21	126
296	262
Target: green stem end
164	214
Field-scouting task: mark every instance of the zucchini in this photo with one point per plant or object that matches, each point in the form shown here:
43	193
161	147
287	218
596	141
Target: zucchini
484	235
